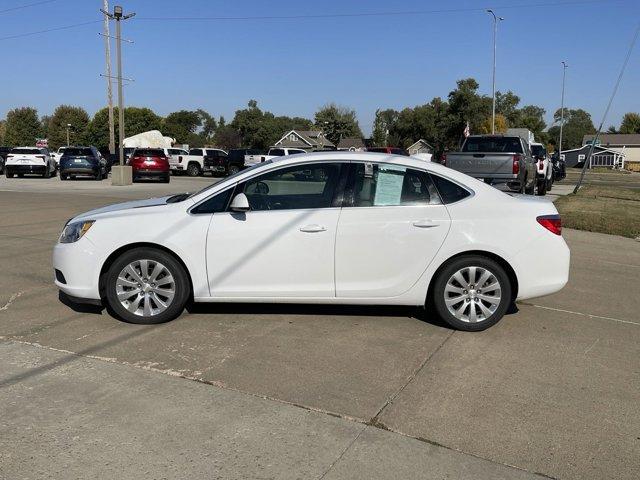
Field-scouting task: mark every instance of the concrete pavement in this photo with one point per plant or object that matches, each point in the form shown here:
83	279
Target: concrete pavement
266	391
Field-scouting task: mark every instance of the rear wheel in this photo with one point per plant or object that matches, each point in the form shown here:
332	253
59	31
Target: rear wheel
193	170
542	187
47	172
8	174
530	190
233	169
472	293
146	286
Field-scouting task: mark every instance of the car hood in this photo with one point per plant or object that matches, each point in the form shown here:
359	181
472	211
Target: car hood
106	211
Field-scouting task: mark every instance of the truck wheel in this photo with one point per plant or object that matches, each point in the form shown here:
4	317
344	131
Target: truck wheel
542	187
47	172
193	170
532	189
233	169
8	174
472	293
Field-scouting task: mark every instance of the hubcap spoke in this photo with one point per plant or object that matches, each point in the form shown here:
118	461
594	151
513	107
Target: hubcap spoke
145	287
472	312
455	300
493	300
491	288
458	276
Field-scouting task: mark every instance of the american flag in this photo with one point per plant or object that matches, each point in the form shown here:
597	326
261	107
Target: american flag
466	132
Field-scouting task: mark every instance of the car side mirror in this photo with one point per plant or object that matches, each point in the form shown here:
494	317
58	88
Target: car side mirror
240	203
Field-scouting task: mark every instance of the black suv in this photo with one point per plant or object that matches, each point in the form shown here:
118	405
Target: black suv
4	151
82	161
236	158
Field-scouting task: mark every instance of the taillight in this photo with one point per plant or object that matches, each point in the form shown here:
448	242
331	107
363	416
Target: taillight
443	159
553	223
180	159
515	169
540	164
41	157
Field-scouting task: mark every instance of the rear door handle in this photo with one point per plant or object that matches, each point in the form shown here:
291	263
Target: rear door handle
313	228
425	224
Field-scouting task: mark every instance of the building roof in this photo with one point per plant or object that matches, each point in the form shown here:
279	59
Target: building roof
313	138
421	141
616	139
351	142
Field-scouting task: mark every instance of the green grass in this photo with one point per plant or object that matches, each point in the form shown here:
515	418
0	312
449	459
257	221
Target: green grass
611	210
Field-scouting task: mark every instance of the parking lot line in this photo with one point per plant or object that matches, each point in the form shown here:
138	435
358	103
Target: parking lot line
581	314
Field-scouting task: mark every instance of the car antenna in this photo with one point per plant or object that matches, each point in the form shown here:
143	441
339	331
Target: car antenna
604	117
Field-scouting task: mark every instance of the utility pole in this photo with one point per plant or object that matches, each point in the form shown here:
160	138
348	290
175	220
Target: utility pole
495	34
121	175
107	51
564	73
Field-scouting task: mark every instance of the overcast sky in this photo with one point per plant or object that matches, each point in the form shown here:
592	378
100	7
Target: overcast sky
293	66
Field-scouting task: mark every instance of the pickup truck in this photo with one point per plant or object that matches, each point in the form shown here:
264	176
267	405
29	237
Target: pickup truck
497	159
202	160
280	152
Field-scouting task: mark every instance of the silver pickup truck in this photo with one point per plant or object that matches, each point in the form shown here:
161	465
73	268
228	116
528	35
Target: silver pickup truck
496	159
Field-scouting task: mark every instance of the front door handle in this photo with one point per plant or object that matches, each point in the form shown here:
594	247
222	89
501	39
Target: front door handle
313	228
425	224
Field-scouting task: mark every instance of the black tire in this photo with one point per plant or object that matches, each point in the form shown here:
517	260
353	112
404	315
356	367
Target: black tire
63	177
233	169
193	170
461	263
47	172
166	179
8	174
99	175
21	175
532	190
542	187
177	271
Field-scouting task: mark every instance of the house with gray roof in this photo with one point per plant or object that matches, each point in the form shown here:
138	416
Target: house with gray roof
353	144
627	143
308	140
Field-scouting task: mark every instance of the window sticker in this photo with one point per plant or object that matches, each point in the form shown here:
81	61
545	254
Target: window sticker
389	185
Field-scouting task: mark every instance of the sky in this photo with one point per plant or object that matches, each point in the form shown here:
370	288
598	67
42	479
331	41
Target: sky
293	66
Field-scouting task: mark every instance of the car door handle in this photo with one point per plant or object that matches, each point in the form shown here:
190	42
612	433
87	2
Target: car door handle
425	224
313	228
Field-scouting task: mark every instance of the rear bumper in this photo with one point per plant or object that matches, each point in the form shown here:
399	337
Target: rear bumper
39	169
176	166
142	173
80	170
215	168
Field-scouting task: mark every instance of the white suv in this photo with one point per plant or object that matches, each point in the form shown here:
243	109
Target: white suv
29	160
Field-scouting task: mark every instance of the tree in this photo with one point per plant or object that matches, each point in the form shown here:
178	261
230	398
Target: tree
532	117
507	106
577	124
22	127
62	116
382	125
3	125
137	120
337	122
501	124
227	137
466	105
630	123
181	125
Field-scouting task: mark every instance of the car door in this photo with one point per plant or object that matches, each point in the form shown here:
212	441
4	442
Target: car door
284	246
390	229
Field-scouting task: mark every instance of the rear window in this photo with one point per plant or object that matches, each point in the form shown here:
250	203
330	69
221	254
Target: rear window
149	152
78	151
538	150
293	151
276	152
195	151
27	151
449	191
399	151
493	145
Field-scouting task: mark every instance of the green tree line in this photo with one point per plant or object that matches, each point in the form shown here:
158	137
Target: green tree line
440	121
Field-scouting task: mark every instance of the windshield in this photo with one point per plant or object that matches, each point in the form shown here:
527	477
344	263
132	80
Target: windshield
493	144
78	152
252	167
538	151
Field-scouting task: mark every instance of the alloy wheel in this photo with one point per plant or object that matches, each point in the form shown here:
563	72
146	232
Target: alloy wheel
472	294
145	287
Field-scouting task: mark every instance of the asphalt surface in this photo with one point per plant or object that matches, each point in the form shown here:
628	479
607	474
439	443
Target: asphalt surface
268	391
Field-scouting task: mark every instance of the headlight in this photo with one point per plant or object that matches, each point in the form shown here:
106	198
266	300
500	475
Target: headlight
73	232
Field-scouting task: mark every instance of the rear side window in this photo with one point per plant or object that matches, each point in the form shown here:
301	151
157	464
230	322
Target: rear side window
294	151
149	152
493	145
376	185
195	151
276	152
449	192
26	151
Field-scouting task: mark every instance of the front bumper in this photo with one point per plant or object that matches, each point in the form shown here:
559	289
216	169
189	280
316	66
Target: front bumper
79	265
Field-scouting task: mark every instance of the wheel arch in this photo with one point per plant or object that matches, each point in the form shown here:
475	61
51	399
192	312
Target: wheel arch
513	278
116	253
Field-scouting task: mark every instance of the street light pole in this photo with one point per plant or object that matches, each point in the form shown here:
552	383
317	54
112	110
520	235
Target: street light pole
118	16
68	127
107	51
564	73
495	34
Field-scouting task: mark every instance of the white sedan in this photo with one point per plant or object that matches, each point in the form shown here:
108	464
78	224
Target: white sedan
330	227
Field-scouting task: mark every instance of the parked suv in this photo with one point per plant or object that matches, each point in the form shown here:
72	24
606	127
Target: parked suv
239	158
4	151
82	161
195	161
29	160
149	163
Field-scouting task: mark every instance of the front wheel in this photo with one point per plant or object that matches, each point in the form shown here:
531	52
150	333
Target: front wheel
193	170
8	174
233	169
472	293
146	286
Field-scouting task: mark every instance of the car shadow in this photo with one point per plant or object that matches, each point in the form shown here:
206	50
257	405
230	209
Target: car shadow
80	307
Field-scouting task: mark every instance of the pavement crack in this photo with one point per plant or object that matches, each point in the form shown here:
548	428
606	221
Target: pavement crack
342	453
12	299
375	420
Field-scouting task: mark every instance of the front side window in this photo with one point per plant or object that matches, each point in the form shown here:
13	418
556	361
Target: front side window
380	185
297	187
215	204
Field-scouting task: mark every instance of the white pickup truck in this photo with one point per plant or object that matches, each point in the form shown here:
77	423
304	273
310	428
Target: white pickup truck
272	153
176	158
29	160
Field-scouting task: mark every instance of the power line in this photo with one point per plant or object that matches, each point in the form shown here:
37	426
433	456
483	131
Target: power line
19	7
65	27
380	14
